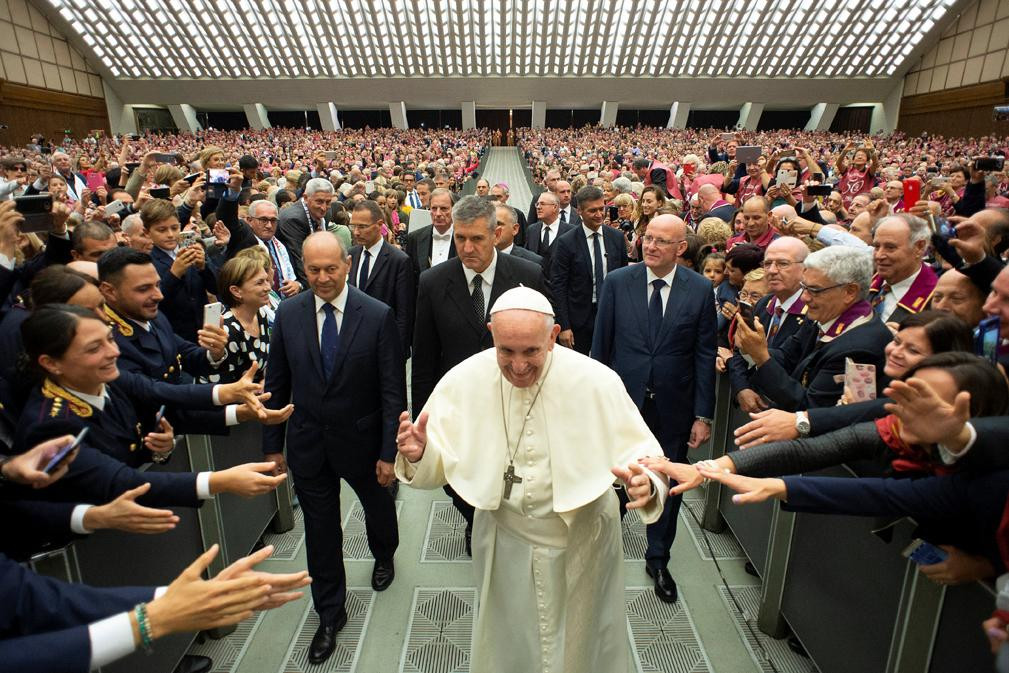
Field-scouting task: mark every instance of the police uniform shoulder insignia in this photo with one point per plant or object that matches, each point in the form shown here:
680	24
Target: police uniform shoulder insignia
61	396
117	321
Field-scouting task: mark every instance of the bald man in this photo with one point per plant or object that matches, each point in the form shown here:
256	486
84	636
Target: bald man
757	227
656	328
712	204
346	413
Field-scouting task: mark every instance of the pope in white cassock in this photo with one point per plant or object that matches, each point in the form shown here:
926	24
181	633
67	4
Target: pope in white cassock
529	434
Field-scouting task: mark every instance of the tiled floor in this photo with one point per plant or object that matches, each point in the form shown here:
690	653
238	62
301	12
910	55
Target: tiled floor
423	622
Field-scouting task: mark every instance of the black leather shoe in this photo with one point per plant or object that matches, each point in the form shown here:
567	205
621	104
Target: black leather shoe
469	541
751	569
796	646
192	663
665	586
324	640
382	575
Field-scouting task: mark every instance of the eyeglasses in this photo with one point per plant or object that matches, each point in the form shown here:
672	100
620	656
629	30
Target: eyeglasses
819	290
661	242
269	220
753	297
782	264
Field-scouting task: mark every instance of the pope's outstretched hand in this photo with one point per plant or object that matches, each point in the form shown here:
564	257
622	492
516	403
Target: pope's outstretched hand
637	483
412	437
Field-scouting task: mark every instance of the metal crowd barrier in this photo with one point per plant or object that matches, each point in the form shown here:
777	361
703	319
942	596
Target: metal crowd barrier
112	558
849	596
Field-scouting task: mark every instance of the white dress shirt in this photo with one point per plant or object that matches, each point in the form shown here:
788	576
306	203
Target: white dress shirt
373	250
440	245
896	293
112	637
592	256
339	303
487	276
552	228
664	293
568	213
508	250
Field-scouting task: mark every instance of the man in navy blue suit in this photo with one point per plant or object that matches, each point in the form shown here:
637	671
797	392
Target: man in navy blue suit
344	347
579	264
656	328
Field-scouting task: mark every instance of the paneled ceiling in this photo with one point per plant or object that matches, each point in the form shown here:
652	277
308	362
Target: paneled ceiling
366	39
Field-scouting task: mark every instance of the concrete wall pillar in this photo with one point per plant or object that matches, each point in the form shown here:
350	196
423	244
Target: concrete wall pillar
608	113
328	117
821	116
678	113
256	114
184	116
121	117
886	112
468	115
539	114
398	112
749	116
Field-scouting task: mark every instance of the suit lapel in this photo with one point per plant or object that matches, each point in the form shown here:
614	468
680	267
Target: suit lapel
355	265
351	322
459	293
377	264
637	298
310	328
424	244
675	303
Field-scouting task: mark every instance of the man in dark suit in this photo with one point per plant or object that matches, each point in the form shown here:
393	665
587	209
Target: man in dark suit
335	353
381	270
551	179
501	193
656	328
429	246
299	220
567	206
542	236
452	303
808	370
713	205
781	313
578	266
509	230
259	228
903	283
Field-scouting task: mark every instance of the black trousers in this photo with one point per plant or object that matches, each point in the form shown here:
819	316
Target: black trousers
662	533
464	507
319	496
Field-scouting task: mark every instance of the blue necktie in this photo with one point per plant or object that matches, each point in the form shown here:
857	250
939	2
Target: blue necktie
330	343
598	264
365	263
655	311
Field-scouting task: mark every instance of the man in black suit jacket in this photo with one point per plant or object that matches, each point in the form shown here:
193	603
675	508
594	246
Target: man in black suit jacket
335	353
303	218
808	370
551	179
656	328
578	266
509	229
781	313
429	246
451	316
381	270
542	236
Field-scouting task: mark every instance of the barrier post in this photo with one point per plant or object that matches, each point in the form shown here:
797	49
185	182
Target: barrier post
918	617
779	546
721	438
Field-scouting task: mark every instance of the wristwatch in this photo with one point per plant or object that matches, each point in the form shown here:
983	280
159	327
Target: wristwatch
704	419
802	423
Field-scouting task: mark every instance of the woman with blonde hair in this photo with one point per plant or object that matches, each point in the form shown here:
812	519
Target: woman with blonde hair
244	287
715	232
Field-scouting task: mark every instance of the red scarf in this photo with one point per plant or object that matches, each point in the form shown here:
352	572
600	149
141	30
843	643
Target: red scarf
908	457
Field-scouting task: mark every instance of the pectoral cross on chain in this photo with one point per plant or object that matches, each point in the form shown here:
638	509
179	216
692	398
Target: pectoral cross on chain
510	478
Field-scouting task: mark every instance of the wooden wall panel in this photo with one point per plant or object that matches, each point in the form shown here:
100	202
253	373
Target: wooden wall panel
965	111
27	110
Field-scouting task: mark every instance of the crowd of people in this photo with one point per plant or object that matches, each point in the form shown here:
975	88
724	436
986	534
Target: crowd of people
852	288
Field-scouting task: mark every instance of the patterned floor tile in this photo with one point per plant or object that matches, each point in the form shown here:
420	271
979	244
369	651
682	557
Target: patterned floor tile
445	541
663	636
355	537
440	633
227	652
724	544
349	640
287	545
760	645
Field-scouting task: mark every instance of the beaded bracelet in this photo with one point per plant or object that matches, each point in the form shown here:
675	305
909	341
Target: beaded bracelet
145	627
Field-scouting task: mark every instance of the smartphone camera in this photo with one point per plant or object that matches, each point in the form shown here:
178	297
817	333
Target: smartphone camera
188	238
37	211
989	163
